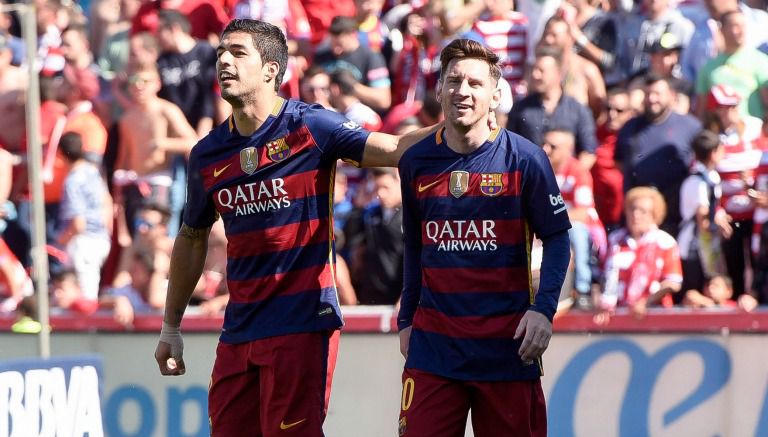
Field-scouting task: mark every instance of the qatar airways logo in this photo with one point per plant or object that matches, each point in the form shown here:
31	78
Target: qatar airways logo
462	235
256	197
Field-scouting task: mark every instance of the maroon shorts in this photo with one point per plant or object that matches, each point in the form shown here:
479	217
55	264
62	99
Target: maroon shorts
433	406
277	386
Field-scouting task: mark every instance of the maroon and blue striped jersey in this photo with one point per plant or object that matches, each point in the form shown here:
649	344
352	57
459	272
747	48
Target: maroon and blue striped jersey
468	224
274	192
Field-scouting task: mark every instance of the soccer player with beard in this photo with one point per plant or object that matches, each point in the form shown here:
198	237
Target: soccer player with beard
268	172
472	328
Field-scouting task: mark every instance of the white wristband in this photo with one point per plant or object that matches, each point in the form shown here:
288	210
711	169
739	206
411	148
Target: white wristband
172	335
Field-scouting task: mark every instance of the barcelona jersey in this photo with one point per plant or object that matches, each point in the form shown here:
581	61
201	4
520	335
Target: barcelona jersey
468	224
274	192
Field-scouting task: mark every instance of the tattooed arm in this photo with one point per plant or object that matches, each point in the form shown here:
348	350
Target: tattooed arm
187	260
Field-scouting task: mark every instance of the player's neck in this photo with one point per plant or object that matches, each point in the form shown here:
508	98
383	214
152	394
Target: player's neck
251	116
466	140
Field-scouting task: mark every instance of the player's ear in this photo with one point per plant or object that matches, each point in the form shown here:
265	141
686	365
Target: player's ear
496	97
270	71
439	90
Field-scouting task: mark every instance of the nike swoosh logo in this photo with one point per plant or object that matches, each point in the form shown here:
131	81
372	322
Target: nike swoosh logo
423	188
217	172
285	426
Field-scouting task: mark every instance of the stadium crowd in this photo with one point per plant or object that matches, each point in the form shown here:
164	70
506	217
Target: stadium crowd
652	115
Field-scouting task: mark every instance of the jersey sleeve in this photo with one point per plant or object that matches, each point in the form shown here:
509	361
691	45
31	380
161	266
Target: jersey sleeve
336	135
411	251
543	205
199	210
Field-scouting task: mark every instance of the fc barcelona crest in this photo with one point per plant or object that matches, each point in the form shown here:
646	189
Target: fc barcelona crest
249	160
491	184
459	183
278	150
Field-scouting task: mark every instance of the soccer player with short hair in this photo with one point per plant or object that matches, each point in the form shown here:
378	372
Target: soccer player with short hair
471	326
268	172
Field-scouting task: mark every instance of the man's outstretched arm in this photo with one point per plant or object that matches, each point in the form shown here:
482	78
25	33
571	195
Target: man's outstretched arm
187	260
384	150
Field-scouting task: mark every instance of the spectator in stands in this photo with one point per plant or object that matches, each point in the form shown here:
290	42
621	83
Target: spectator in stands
27	315
739	135
643	264
369	68
575	183
85	216
188	74
77	91
113	45
414	65
13	87
718	293
607	177
321	13
207	18
144	294
654	148
76	49
547	106
760	230
371	30
644	28
505	32
187	68
67	294
664	57
593	31
14	281
151	223
17	45
740	66
707	41
151	132
211	292
6	180
343	99
582	80
377	251
316	87
704	220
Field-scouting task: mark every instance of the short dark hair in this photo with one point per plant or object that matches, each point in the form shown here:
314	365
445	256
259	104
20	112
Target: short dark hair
469	49
71	145
339	78
552	52
651	78
384	171
173	17
704	144
268	40
341	24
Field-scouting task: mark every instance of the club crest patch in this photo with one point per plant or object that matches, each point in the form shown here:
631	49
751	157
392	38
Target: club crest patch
459	183
278	150
491	184
249	160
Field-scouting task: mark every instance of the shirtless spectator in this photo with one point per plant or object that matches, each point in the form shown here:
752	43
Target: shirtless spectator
13	86
150	130
582	79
